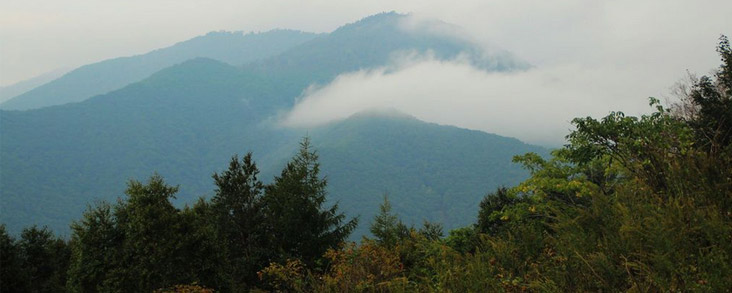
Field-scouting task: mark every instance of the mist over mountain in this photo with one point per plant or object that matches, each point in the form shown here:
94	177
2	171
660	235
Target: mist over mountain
12	90
235	48
472	146
185	122
381	40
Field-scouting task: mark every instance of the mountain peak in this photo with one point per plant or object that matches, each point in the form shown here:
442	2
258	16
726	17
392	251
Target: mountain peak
380	20
390	113
380	17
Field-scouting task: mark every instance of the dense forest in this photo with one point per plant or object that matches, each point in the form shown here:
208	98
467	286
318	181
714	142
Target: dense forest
629	204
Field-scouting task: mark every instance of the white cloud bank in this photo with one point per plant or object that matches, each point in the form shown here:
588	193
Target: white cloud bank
590	58
535	105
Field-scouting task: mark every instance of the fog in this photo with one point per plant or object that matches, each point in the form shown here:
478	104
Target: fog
38	36
589	57
535	105
606	59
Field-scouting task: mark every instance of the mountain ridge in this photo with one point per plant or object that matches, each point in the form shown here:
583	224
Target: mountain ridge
185	121
112	74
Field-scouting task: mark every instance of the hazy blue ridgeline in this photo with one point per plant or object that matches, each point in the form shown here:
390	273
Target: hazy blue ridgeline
102	77
186	121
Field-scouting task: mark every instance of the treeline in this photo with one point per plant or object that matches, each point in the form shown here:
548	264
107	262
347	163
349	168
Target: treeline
142	243
629	204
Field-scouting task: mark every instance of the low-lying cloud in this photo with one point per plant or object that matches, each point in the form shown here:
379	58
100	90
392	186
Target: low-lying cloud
535	105
613	61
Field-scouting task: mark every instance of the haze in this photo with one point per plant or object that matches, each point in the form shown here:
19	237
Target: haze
588	57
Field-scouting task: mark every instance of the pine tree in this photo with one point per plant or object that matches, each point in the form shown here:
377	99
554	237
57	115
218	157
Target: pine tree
386	227
299	225
238	217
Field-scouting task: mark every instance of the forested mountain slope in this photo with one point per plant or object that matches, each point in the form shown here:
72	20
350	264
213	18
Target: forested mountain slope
184	122
429	172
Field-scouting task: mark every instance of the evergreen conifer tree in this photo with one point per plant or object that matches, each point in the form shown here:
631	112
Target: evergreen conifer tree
238	220
299	225
386	227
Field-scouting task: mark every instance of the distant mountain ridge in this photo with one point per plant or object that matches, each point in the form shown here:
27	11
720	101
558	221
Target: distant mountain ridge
99	78
12	90
185	122
375	41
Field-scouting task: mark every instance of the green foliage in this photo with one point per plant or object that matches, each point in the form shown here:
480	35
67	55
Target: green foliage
490	216
11	264
463	240
299	225
431	231
238	215
45	259
142	243
711	117
95	245
150	226
629	204
37	262
432	172
386	226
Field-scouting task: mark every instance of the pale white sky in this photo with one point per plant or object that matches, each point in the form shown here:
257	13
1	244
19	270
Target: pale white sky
37	36
590	57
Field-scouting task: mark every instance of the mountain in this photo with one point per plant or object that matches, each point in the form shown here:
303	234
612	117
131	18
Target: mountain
378	40
9	91
430	172
187	120
98	78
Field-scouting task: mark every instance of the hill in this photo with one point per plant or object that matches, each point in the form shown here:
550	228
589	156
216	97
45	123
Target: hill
430	172
98	78
12	90
186	121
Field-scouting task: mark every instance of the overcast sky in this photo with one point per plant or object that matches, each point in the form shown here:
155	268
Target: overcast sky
589	56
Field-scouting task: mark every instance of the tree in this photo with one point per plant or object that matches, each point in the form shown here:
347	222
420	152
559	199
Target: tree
150	224
713	97
490	210
204	255
298	224
386	226
12	271
96	246
238	220
143	243
44	259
